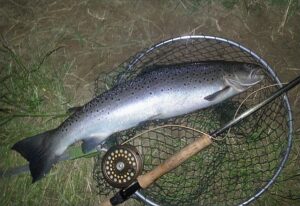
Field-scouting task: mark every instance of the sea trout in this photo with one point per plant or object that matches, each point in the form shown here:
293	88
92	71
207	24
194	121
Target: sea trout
157	93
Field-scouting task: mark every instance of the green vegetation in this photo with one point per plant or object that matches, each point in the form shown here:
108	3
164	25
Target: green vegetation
33	99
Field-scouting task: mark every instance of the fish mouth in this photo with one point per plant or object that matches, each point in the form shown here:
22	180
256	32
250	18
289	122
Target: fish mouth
243	82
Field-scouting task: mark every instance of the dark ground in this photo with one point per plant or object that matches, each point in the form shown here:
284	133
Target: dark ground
96	36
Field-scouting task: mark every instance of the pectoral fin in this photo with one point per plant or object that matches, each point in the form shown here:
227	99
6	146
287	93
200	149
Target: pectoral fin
90	144
215	95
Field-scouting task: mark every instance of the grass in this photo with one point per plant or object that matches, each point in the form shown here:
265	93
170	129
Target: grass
33	99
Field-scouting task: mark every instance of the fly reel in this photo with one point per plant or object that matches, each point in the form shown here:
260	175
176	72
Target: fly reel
121	165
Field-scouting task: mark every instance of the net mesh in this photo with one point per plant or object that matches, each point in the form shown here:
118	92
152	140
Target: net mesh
240	162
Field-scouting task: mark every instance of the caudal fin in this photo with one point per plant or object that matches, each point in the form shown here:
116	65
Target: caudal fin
38	150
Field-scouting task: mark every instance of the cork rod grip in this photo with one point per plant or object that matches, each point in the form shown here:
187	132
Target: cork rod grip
174	161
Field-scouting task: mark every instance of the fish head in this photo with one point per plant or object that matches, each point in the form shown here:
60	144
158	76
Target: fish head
244	76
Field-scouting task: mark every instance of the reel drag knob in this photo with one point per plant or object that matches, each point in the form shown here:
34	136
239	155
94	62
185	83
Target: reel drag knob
121	165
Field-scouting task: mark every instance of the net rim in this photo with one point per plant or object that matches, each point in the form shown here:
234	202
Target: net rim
273	75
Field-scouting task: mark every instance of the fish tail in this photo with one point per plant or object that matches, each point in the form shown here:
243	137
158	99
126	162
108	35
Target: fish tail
38	150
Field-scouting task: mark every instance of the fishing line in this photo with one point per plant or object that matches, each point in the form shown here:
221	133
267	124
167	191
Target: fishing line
244	100
168	125
256	91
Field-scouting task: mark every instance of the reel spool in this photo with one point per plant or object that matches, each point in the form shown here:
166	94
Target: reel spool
121	165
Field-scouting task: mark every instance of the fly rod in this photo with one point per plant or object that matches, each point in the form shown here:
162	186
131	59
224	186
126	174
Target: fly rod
145	180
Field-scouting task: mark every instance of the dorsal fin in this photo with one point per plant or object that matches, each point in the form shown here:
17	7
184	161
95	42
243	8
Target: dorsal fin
150	68
72	110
